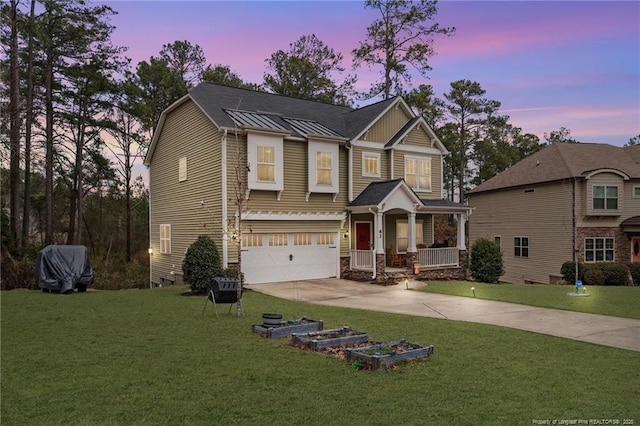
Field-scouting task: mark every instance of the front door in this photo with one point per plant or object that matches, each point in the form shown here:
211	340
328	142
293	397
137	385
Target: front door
635	249
363	236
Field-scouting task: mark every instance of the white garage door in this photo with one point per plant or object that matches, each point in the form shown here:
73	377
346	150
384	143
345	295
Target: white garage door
289	257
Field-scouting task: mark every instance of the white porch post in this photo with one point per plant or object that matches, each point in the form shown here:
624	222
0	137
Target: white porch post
462	219
379	246
411	245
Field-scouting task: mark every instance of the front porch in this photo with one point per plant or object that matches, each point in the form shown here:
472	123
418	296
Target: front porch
391	236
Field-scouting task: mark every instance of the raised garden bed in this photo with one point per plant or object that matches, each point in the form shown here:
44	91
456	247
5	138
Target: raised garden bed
322	339
302	325
387	355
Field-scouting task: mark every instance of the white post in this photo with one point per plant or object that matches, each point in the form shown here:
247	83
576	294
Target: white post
411	244
379	246
462	219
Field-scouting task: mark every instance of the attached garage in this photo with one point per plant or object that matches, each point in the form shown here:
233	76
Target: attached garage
289	257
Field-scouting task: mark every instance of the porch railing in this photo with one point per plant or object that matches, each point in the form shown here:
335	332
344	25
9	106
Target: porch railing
363	259
438	257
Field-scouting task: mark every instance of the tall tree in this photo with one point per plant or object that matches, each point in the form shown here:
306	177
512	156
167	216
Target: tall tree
426	104
14	121
186	59
401	37
307	71
558	136
633	141
222	74
158	86
28	124
471	113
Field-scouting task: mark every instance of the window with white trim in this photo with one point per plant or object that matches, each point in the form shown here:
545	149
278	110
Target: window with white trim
605	197
323	160
324	168
371	164
521	246
636	192
182	169
599	249
402	234
165	239
417	172
266	163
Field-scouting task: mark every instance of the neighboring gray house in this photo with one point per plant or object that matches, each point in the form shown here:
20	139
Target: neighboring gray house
568	196
325	190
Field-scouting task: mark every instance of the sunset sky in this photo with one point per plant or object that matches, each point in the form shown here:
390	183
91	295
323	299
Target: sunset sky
573	64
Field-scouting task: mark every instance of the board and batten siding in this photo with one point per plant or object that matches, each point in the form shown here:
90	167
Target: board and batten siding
186	133
542	213
293	197
387	126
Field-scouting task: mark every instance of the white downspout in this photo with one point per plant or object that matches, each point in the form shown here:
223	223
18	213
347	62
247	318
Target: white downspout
225	236
350	172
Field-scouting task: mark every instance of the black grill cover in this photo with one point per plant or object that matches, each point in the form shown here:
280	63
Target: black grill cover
60	268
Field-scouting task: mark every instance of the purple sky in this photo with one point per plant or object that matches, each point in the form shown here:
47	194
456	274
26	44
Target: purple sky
574	64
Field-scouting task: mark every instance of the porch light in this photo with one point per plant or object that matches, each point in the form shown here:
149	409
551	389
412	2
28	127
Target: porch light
150	250
345	235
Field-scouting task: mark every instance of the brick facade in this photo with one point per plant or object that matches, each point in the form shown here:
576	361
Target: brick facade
621	246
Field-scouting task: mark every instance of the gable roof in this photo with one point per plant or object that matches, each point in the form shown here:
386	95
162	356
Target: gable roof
564	161
375	193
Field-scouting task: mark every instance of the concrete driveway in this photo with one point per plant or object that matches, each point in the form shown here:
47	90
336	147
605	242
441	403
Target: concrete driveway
603	330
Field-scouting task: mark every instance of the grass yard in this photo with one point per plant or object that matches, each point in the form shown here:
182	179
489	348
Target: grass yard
150	357
604	300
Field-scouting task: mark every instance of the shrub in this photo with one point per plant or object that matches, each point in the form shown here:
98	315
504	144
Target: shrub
201	264
634	268
117	274
486	261
614	273
593	276
568	271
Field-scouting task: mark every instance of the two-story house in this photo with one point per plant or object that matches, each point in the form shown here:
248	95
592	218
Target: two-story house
566	200
307	190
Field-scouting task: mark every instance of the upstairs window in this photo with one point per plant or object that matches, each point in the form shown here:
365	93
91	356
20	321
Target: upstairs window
417	173
324	168
265	159
182	169
323	173
605	197
370	164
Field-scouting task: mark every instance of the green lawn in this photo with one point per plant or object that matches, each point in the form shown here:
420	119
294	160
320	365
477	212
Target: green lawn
150	357
610	300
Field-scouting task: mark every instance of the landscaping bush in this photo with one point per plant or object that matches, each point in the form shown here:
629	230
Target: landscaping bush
201	264
568	271
634	268
486	261
117	274
593	276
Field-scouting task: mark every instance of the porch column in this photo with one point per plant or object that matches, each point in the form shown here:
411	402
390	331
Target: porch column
462	220
379	246
411	244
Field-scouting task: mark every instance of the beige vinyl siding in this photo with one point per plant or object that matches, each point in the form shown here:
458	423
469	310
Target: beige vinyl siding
631	203
544	216
387	126
187	133
293	197
436	172
361	182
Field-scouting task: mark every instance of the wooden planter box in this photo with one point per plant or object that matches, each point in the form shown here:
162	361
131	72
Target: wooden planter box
327	338
303	325
386	355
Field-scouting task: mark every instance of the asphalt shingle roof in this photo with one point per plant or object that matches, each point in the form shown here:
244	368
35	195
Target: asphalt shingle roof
564	161
214	99
375	193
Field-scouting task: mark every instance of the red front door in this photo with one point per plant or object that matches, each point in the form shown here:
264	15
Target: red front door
635	249
363	236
